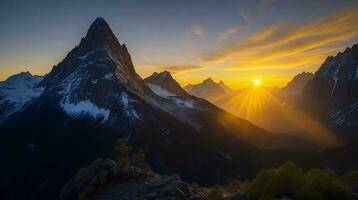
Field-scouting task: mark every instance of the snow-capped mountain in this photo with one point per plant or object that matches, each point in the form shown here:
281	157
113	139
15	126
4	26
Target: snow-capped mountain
165	80
16	91
94	96
332	94
209	90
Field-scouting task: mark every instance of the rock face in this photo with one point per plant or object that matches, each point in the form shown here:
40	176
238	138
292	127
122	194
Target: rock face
104	180
209	90
332	94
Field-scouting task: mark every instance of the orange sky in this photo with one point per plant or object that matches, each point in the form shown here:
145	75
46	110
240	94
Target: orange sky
235	45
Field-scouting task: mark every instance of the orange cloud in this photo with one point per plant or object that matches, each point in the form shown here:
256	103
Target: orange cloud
289	45
180	69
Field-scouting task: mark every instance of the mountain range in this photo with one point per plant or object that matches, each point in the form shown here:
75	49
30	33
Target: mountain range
52	125
209	90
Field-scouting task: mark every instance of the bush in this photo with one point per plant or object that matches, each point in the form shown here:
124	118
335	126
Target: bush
138	160
125	156
81	171
290	180
352	176
215	193
329	184
102	178
233	185
194	185
86	192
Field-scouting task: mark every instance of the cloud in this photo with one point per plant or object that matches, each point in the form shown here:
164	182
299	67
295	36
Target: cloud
284	44
265	3
245	14
180	69
228	33
197	30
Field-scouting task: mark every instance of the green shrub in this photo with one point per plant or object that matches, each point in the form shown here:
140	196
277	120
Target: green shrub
85	193
81	172
352	176
308	192
102	178
290	180
233	185
194	185
138	160
215	193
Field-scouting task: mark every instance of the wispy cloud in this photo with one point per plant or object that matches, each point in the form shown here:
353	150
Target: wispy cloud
229	33
286	44
180	69
265	3
245	14
197	30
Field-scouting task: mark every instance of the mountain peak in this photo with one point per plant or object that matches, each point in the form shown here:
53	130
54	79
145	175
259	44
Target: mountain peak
166	81
100	35
209	81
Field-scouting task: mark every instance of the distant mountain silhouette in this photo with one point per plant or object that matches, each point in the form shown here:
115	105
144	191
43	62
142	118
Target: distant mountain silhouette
209	90
295	87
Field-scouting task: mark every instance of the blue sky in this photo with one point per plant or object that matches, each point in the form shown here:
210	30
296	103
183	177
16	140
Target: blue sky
193	39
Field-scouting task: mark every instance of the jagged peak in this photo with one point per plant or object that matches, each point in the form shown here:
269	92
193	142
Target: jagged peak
21	74
208	80
100	35
163	75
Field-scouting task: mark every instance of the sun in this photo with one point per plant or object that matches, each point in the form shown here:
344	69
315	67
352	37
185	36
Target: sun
256	82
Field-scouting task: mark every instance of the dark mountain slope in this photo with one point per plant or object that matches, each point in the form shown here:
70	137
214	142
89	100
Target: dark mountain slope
332	94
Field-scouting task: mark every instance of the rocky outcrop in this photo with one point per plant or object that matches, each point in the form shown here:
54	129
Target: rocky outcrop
104	180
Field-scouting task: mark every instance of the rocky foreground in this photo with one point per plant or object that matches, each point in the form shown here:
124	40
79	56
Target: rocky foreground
105	180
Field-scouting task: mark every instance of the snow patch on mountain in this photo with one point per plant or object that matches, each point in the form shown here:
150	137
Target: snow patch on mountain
346	117
183	102
129	111
83	57
85	108
335	76
159	90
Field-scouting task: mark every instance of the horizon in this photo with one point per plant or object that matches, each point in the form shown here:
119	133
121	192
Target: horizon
244	43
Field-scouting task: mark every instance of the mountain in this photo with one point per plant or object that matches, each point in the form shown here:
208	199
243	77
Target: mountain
295	87
209	90
16	91
158	81
94	96
332	94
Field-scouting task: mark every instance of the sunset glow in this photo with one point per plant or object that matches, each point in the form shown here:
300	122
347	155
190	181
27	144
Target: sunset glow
256	82
246	40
